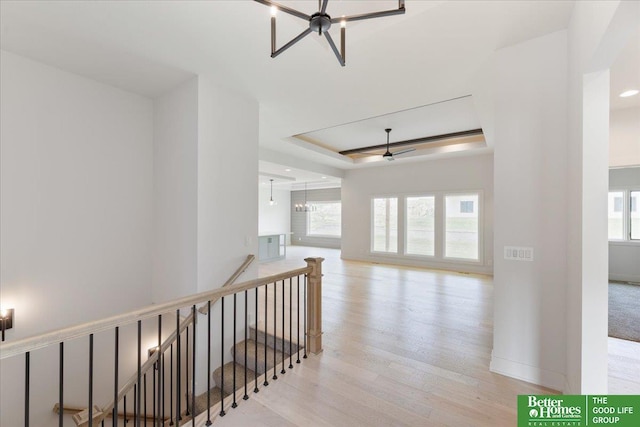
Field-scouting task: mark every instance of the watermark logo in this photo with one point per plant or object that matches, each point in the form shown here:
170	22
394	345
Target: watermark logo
578	411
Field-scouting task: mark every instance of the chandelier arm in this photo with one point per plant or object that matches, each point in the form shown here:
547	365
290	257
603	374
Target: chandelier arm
292	42
334	48
371	15
285	9
324	6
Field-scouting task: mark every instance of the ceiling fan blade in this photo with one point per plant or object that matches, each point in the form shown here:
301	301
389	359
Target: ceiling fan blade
292	42
285	9
324	6
408	150
334	48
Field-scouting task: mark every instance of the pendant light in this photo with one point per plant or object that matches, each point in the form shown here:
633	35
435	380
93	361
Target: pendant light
271	202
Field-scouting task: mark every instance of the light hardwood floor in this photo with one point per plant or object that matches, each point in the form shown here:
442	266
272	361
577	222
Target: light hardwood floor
402	347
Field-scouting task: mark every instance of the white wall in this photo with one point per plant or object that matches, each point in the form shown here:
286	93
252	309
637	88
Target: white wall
227	176
76	214
276	218
175	173
528	99
624	137
455	174
76	197
624	256
596	34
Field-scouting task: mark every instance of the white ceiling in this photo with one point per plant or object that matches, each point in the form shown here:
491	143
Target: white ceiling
290	178
625	74
394	63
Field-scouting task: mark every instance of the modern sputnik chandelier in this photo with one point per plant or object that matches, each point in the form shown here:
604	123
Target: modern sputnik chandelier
321	22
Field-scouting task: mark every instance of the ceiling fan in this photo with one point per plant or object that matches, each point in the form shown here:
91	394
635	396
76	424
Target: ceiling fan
388	154
320	22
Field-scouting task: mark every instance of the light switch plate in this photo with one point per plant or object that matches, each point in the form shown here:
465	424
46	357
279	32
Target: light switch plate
518	253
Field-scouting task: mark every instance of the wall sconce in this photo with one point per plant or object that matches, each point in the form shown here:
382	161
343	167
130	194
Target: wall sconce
6	320
151	352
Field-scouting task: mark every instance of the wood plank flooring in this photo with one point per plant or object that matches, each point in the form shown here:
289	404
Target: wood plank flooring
402	347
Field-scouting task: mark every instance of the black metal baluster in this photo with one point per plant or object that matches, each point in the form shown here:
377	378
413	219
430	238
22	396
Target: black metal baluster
266	317
160	369
275	330
298	314
222	413
283	357
61	386
171	385
125	410
290	323
144	387
246	396
193	370
304	302
178	368
164	401
116	357
234	404
138	405
91	380
208	363
135	403
153	391
255	342
27	361
186	381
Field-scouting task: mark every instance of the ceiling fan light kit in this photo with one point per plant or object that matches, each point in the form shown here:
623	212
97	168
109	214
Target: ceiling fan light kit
321	22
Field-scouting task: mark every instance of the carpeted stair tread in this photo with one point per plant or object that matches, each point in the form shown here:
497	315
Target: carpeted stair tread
201	400
251	356
276	342
228	376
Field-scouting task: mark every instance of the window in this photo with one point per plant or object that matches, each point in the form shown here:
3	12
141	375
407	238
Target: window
624	215
466	206
461	227
385	225
420	237
617	204
615	215
635	215
325	220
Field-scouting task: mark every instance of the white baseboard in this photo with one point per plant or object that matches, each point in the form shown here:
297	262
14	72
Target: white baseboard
624	278
531	374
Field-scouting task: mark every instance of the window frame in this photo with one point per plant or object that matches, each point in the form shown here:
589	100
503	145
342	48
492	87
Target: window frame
308	219
372	249
626	215
438	258
480	209
406	227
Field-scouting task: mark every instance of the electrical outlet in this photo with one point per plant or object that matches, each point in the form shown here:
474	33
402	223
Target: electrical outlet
518	253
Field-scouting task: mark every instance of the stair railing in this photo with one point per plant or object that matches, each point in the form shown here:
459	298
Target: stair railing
307	281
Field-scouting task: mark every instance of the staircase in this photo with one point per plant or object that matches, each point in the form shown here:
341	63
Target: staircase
160	384
249	363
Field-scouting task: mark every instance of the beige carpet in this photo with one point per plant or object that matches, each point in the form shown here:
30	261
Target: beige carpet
624	311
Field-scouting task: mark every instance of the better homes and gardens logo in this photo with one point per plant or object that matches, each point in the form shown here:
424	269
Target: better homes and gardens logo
578	411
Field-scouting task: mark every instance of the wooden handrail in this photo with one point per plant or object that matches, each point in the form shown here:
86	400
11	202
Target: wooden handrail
148	365
22	346
240	270
205	308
